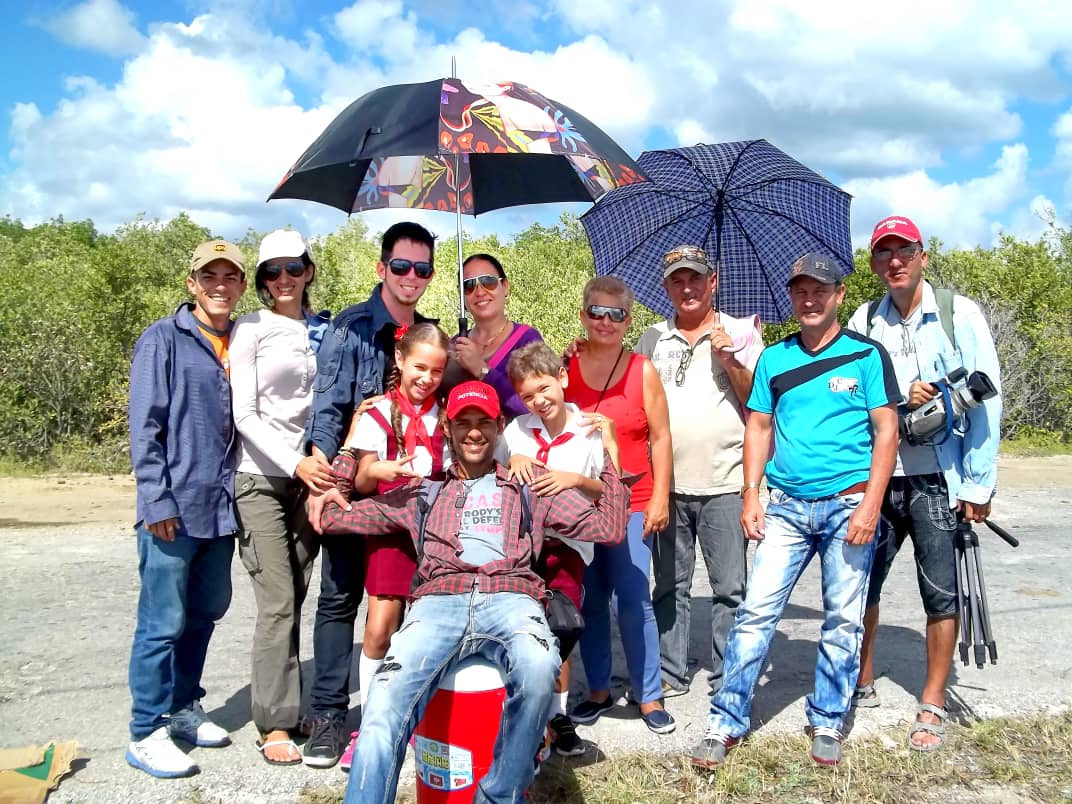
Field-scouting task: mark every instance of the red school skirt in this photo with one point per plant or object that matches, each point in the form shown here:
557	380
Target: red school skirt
390	564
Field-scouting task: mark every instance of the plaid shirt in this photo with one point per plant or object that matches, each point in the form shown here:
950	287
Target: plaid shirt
441	571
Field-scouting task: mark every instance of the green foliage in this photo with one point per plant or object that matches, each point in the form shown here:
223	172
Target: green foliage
81	299
67	337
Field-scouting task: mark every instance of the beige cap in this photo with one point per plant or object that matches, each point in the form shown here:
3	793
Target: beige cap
216	250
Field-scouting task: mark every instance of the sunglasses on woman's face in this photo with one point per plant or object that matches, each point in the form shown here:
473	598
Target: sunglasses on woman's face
487	281
274	271
597	312
401	267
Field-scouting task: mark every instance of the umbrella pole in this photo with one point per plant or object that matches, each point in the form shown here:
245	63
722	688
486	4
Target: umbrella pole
463	321
720	211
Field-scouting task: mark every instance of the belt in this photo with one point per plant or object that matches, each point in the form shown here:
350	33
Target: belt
855	488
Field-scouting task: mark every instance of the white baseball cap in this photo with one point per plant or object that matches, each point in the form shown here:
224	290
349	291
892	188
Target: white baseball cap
281	243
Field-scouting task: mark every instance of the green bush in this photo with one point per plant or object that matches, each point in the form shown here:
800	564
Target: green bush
81	299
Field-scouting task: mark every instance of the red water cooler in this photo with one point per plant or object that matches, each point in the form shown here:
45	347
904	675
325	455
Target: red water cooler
454	744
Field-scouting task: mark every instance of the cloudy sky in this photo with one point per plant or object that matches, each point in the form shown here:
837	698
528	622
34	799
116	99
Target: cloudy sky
956	113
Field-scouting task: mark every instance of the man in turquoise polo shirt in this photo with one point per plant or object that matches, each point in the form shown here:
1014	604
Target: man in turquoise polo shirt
828	400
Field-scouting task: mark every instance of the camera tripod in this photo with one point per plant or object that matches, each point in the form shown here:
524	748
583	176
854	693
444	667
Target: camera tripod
971	594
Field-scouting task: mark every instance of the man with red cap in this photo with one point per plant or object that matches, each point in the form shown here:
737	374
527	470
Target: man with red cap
928	332
477	538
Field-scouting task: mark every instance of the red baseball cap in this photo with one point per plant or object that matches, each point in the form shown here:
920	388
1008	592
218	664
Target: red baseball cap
473	394
896	225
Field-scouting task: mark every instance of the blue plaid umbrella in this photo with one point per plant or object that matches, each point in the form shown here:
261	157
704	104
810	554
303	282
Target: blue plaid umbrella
751	207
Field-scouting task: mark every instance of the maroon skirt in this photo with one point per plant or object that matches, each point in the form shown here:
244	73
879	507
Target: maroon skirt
561	568
390	564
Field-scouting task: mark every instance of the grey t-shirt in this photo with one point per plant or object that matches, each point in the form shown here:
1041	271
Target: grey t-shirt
481	532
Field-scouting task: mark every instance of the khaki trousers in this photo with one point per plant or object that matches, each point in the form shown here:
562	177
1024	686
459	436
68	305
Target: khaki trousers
277	546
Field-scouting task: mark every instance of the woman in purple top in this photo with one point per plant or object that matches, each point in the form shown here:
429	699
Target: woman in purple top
486	351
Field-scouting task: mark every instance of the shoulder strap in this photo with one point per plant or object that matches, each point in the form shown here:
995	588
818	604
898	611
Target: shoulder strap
526	509
392	442
944	297
872	308
429	494
506	346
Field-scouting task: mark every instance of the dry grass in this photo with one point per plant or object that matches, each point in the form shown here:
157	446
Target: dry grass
1024	760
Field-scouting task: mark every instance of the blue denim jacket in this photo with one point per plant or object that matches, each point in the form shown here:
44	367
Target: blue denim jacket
351	365
182	436
968	459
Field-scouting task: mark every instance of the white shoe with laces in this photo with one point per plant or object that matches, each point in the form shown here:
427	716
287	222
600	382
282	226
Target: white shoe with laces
193	726
158	756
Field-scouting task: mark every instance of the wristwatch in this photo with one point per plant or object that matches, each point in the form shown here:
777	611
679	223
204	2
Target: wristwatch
484	372
748	486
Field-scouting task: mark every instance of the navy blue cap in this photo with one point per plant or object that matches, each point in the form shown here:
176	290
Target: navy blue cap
820	267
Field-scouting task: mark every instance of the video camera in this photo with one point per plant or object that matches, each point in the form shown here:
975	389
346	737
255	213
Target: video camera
958	393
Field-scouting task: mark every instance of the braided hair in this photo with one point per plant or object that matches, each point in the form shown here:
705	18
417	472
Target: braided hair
407	338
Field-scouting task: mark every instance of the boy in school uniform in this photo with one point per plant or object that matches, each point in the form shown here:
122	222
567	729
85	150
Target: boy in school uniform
557	435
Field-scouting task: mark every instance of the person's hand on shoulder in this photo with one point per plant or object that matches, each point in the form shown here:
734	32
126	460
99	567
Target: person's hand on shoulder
359	411
553	481
520	468
576	348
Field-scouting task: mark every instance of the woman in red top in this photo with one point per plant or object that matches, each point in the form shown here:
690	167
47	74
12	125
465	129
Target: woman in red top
606	378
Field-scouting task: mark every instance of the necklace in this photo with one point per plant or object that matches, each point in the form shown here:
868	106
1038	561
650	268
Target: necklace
606	385
463	495
485	345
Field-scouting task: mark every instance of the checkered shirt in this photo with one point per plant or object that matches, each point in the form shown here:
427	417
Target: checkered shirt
441	571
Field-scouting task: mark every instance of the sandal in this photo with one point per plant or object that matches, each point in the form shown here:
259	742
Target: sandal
262	744
922	727
865	697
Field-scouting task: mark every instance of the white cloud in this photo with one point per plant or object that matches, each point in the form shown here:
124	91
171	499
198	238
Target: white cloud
958	213
1062	131
209	112
1029	222
195	123
106	26
379	25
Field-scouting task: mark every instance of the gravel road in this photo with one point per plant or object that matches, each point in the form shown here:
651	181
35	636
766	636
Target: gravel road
71	592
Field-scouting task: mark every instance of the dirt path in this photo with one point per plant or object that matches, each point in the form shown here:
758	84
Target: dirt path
68	560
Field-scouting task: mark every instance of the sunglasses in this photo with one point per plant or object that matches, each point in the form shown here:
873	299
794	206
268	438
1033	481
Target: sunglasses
401	267
487	281
597	312
275	270
682	367
904	252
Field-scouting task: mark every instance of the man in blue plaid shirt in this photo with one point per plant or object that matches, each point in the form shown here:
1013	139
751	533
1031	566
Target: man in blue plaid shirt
477	595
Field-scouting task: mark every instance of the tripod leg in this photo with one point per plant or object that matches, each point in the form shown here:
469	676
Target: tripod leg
984	608
962	603
970	560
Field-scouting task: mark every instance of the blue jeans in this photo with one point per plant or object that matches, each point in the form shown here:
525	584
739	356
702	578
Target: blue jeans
342	583
439	632
185	590
715	523
622	570
795	531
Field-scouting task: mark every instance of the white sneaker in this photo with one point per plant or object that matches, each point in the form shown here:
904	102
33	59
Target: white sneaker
193	726
158	756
